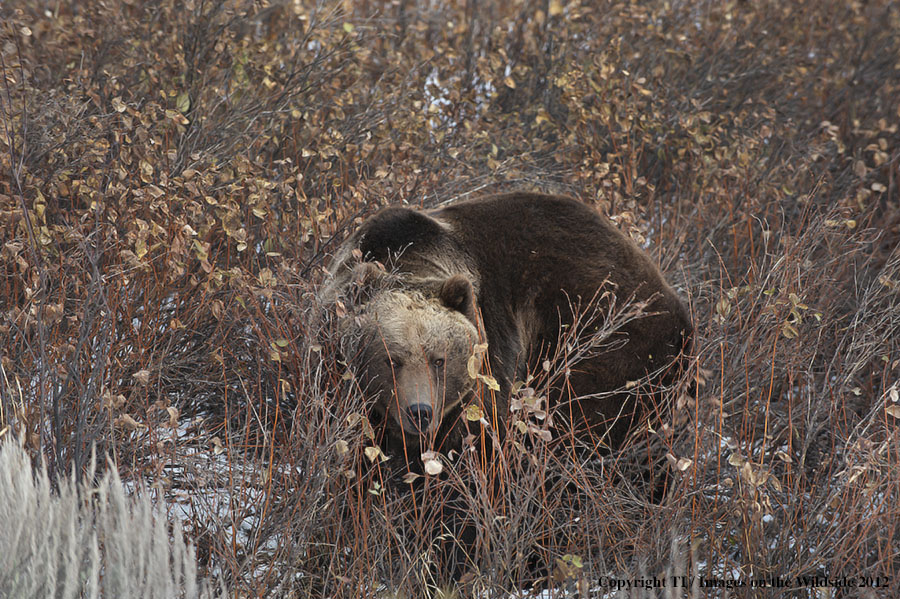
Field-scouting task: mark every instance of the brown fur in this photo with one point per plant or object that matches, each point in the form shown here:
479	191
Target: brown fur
519	261
414	351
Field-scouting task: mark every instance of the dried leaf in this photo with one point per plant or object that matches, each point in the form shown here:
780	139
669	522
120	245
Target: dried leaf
472	366
490	381
474	413
127	422
142	376
683	464
789	330
183	102
341	447
432	462
173	416
373	452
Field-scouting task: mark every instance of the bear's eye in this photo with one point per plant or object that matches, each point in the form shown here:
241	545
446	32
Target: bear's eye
393	363
438	362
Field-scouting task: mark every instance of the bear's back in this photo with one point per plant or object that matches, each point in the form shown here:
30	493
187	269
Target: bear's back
530	247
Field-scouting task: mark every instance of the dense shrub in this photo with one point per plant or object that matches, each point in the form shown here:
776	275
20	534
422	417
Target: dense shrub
175	173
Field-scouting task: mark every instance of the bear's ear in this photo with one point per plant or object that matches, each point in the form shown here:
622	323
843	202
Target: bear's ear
457	294
394	229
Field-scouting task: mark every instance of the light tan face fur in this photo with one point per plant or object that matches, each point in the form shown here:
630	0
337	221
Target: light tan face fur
413	352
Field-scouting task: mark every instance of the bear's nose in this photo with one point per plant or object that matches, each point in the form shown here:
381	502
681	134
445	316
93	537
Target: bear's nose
420	415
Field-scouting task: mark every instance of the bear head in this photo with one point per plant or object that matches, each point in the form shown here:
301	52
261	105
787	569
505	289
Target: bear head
411	352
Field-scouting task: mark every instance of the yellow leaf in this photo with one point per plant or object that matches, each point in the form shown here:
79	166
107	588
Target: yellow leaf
490	381
474	413
183	102
473	365
176	116
341	447
555	8
789	330
573	560
373	452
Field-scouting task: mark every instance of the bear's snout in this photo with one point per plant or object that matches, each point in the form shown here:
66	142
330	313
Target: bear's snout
417	401
420	416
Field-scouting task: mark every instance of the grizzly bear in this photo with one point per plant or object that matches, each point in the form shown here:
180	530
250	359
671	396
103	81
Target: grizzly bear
520	271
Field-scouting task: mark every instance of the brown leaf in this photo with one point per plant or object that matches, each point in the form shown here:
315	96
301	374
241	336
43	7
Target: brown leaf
142	376
127	422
